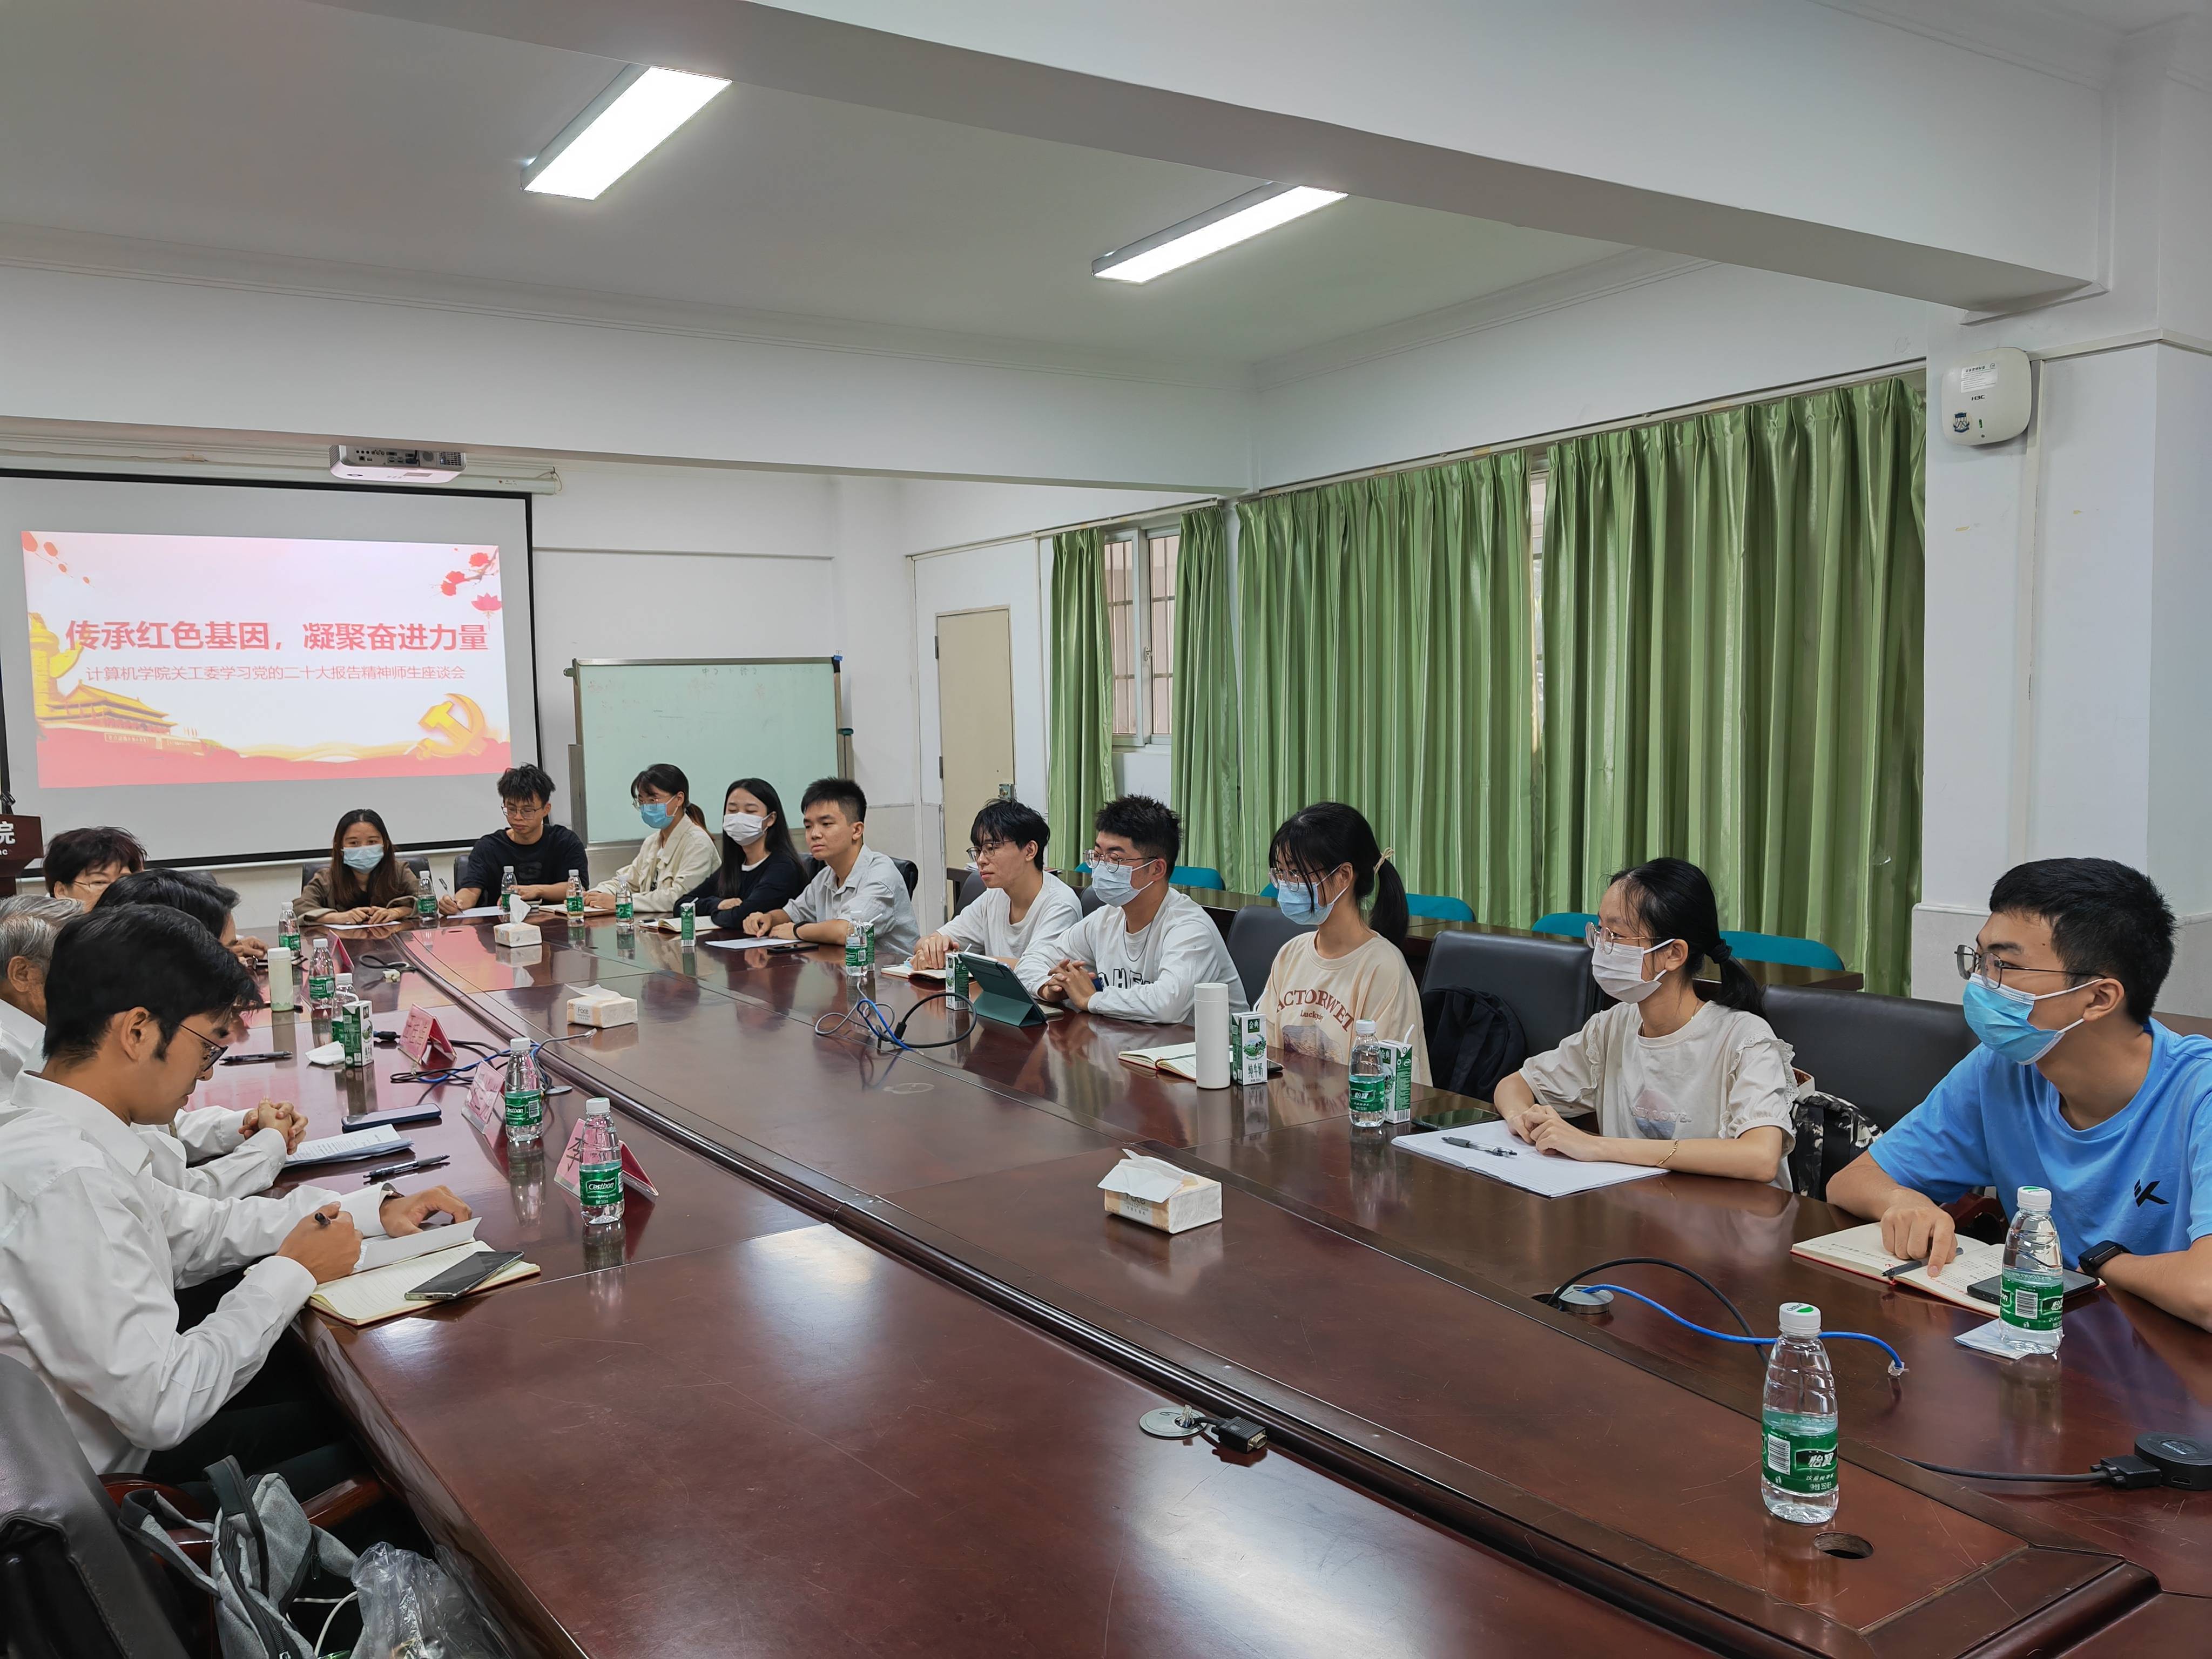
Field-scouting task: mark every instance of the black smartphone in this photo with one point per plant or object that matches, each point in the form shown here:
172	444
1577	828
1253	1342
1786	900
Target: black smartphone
418	1114
1987	1290
1457	1117
463	1276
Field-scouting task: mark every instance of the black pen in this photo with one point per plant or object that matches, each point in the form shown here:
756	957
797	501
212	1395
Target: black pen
416	1167
1901	1268
256	1060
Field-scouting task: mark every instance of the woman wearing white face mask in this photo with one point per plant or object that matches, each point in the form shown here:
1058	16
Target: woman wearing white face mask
671	858
364	881
1682	1075
1326	864
760	871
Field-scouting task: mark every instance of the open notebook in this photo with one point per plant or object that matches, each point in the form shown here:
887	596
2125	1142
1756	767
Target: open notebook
371	1293
1176	1060
1858	1250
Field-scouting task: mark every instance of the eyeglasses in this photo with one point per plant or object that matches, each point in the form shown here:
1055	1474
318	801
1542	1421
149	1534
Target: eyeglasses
1971	961
984	849
1127	860
1595	933
215	1051
523	809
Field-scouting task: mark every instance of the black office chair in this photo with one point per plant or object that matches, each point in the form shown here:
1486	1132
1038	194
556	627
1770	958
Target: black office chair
1547	981
1882	1054
1088	898
69	1587
1257	933
972	888
912	872
460	870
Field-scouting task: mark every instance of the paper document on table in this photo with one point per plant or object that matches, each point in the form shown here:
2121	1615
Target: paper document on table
366	1298
747	944
1991	1339
1495	1153
379	1142
383	1252
1858	1250
470	915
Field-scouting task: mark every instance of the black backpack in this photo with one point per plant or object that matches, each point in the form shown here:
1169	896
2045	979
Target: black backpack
1474	1040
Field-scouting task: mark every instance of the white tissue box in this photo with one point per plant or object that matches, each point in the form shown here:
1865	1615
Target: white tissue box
603	1007
517	932
1157	1193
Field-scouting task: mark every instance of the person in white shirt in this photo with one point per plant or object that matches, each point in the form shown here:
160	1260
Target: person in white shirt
27	925
215	1152
1023	905
855	885
1143	953
92	1247
1683	1075
1326	862
674	859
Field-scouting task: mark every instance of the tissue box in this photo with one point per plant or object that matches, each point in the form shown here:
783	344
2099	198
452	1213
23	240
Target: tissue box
1157	1193
517	932
603	1007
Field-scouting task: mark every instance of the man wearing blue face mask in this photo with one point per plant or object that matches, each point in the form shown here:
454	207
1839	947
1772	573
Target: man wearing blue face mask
1144	952
2075	1087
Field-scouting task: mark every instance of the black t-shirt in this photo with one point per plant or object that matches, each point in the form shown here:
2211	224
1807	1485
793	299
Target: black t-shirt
557	850
768	885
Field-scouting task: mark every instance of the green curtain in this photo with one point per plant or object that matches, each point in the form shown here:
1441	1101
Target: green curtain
1387	635
1732	632
1079	763
1203	782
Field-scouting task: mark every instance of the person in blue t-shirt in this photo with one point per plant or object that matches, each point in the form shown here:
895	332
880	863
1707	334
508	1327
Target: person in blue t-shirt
2075	1087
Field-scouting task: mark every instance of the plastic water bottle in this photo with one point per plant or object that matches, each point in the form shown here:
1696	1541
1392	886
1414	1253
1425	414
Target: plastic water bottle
598	1168
2032	1301
575	903
288	931
860	950
426	899
506	884
625	911
526	1095
1374	1075
1797	1469
688	921
322	978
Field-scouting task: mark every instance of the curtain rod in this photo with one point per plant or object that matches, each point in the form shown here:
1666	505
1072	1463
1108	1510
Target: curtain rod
1172	509
1734	400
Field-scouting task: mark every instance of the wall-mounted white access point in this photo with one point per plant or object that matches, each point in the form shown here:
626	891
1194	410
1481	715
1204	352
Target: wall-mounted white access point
1987	399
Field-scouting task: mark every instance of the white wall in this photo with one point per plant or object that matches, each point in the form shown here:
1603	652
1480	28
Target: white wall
1646	334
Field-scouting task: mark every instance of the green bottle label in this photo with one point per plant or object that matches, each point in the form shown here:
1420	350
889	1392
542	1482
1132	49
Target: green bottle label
624	910
526	1108
600	1184
1801	1452
689	924
860	945
426	905
290	941
2030	1299
576	904
321	987
1371	1095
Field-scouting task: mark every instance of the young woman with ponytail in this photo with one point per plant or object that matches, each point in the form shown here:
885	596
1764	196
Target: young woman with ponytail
1682	1073
1327	864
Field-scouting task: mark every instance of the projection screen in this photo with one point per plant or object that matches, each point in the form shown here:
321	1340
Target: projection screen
225	669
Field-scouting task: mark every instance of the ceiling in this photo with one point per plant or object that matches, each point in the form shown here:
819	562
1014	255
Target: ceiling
2126	16
275	127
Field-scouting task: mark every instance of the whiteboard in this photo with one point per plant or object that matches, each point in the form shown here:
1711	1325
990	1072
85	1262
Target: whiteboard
773	718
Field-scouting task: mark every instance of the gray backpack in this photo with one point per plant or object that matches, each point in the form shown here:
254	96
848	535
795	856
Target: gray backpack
264	1561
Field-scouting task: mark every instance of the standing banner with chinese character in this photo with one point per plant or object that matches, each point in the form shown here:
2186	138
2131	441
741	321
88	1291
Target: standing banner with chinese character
223	658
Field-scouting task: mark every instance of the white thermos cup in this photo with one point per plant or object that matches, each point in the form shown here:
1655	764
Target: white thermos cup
1210	1024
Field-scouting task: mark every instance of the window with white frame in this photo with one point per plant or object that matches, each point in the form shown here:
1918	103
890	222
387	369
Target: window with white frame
1140	587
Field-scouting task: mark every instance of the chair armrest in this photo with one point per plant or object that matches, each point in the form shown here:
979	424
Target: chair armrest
119	1486
345	1500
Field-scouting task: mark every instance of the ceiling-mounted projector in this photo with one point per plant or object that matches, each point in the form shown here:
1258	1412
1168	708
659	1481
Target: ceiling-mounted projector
361	463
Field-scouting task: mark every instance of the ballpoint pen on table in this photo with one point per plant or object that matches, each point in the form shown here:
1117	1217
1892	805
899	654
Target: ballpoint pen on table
414	1168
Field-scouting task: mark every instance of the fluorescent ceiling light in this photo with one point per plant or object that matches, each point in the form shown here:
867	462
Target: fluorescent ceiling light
1233	222
618	130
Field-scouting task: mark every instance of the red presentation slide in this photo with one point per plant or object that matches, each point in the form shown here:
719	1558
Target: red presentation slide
233	659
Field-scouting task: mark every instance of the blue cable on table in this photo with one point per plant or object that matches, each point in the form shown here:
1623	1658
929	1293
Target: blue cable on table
1896	1359
874	1017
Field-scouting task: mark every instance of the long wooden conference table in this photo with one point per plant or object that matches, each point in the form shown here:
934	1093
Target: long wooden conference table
866	1376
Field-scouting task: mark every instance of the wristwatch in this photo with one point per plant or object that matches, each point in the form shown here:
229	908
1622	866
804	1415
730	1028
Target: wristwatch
2094	1258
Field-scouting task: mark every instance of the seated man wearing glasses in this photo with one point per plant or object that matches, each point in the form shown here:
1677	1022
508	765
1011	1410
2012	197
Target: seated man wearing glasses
2075	1087
1144	952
